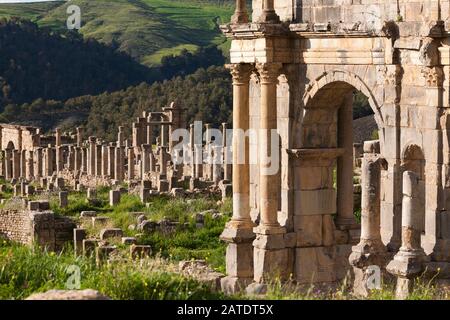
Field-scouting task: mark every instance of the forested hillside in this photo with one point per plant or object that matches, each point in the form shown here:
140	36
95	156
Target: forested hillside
147	30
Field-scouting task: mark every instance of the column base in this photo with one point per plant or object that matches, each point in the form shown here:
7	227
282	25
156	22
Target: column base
403	288
407	264
233	285
269	16
240	18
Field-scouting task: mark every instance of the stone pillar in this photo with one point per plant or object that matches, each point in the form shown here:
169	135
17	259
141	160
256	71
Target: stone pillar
63	199
120	137
8	164
191	148
198	161
30	166
48	161
118	171
164	135
163	161
23	164
91	157
135	135
240	14
38	163
58	137
84	160
98	160
409	261
104	160
270	253
77	159
59	159
149	131
370	251
111	160
217	164
15	164
268	14
79	136
130	154
345	215
238	232
227	159
145	160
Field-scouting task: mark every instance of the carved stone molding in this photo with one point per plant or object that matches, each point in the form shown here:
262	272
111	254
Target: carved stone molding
269	72
434	76
240	72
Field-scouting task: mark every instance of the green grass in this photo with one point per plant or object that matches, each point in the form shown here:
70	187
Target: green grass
145	29
24	271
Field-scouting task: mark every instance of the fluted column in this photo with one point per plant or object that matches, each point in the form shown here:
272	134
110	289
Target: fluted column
79	136
240	14
238	232
268	14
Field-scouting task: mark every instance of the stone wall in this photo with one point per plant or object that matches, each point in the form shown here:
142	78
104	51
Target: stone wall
42	227
18	137
15	226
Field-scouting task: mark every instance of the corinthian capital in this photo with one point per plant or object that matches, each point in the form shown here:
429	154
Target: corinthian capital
240	72
268	72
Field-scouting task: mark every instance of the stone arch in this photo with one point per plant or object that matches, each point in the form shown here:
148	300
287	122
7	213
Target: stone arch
336	76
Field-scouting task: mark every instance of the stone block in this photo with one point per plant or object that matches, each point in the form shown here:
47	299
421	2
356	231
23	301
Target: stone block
129	240
328	229
99	221
309	230
315	265
111	233
102	253
239	260
140	251
89	246
270	264
314	202
79	235
114	197
88	214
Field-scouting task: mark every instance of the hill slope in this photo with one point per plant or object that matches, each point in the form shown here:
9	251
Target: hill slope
145	29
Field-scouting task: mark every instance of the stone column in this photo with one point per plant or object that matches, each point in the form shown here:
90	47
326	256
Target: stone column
111	160
118	171
79	136
130	154
409	261
149	131
30	166
345	215
238	232
227	160
207	168
198	161
59	158
23	164
217	164
91	158
163	161
164	135
268	14
268	122
135	135
104	160
8	164
49	161
15	164
77	158
240	14
191	148
98	159
84	160
57	137
38	163
270	253
370	251
145	160
120	137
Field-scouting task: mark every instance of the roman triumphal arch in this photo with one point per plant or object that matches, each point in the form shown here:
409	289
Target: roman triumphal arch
296	65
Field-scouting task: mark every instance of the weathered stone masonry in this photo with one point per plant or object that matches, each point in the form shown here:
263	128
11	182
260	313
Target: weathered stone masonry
295	65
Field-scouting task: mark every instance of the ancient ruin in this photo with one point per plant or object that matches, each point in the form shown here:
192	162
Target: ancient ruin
295	67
